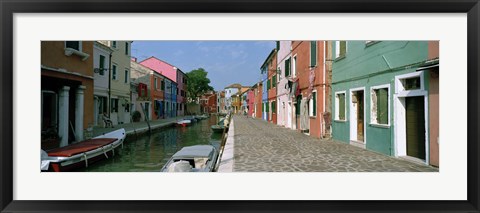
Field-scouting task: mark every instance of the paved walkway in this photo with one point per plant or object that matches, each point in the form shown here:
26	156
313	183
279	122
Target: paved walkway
263	147
139	127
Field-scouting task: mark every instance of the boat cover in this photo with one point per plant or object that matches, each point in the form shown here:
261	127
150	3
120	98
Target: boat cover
80	147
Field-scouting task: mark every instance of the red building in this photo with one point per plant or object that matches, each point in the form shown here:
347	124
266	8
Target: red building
208	103
272	88
257	103
251	100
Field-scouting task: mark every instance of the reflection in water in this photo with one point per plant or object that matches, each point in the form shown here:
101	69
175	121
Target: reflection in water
150	153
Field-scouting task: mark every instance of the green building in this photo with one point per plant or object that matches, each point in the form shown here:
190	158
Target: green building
382	99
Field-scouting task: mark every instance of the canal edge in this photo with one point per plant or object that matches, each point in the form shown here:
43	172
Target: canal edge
227	161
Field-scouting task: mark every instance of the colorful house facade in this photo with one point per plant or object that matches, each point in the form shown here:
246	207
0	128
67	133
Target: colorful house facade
229	92
66	91
266	85
284	61
258	102
310	89
101	82
181	92
385	95
251	100
272	83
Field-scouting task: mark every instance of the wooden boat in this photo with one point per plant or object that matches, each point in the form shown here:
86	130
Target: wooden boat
83	153
184	123
198	158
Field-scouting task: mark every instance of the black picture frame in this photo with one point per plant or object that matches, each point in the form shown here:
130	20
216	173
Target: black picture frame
9	7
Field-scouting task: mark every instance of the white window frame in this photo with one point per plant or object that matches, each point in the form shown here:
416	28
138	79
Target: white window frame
373	113
80	46
337	107
310	104
294	66
337	49
400	89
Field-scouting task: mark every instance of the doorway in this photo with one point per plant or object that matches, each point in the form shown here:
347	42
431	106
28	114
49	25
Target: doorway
415	126
357	115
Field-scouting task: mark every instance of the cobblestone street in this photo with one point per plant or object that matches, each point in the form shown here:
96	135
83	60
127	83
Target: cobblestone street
263	147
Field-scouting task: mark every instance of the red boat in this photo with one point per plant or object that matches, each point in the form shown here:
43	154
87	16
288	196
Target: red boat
83	153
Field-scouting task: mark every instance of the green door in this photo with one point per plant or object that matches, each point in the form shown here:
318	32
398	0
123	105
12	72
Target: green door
415	118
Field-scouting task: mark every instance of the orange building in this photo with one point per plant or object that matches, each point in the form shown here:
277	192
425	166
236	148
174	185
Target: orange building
67	91
311	92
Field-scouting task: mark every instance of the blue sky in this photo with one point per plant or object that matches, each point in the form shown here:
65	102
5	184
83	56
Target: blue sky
226	62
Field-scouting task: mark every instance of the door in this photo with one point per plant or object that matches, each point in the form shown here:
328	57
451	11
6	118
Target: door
289	115
357	114
360	116
415	126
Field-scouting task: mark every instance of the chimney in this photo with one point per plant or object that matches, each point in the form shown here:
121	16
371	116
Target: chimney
134	59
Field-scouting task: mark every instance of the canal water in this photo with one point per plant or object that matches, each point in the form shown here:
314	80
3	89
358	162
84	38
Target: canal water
149	153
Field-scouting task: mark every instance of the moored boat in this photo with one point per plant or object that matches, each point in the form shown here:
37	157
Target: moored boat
184	123
198	158
83	153
218	128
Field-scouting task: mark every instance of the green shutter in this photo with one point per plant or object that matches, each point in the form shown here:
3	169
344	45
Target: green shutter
343	48
267	107
287	67
102	62
315	104
382	106
341	106
263	107
313	53
278	45
274	107
274	81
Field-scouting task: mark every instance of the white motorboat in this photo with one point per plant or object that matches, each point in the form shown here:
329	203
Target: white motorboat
198	158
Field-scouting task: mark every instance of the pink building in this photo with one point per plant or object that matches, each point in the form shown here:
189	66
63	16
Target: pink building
174	74
250	101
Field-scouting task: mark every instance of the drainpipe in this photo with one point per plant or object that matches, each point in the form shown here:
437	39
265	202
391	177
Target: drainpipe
109	83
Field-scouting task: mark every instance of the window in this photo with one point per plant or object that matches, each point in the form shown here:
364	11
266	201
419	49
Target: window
411	83
162	86
126	77
287	67
114	44
126	48
114	104
155	83
278	45
268	84
340	106
379	106
313	53
274	81
312	105
340	49
101	65
263	107
73	45
114	72
267	107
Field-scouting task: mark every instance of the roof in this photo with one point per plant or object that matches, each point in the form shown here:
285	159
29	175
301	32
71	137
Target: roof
235	85
268	58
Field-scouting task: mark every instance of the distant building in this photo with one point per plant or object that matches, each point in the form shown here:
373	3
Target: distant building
270	68
265	77
230	91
